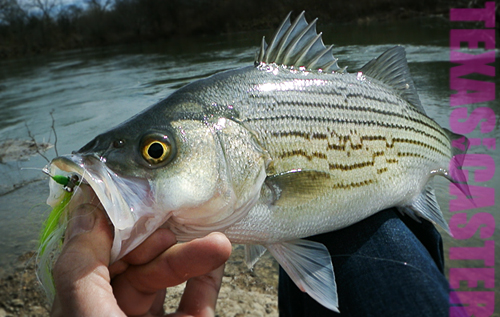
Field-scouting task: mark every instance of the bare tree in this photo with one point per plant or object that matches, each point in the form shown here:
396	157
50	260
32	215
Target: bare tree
46	7
69	13
10	12
45	31
99	5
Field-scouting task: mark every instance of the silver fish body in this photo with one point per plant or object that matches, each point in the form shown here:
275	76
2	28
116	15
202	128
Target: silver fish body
353	146
268	154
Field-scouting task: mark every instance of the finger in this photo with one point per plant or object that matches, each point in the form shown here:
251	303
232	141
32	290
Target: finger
181	262
148	250
117	267
157	306
200	295
135	289
80	274
152	247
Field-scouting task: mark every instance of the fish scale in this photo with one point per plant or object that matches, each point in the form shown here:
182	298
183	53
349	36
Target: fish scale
289	127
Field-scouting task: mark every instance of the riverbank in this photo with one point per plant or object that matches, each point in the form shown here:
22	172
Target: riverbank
139	21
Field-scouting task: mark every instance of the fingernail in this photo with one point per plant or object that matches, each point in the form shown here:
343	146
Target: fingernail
82	220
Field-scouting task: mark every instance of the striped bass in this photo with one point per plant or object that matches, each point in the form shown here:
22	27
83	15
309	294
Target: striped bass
289	147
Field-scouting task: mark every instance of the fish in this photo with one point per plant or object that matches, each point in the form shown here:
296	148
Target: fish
269	154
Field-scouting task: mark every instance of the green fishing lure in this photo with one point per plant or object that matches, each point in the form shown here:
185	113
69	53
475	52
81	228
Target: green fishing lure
52	233
68	183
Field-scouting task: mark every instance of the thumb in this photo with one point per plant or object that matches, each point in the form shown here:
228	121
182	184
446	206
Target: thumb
81	273
88	235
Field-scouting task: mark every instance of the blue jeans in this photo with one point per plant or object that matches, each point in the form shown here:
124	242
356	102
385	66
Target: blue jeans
385	265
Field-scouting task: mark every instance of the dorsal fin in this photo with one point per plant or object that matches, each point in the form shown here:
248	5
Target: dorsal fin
392	69
298	45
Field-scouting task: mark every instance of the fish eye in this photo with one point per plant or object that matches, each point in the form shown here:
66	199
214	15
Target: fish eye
156	149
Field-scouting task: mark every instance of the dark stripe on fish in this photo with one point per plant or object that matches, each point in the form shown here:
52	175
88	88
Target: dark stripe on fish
348	121
282	103
353	185
382	170
350	167
403	154
302	153
345	167
323	136
300	134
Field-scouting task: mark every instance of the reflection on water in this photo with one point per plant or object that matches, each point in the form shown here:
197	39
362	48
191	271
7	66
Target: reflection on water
93	90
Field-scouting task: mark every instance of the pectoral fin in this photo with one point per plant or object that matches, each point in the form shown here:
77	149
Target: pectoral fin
298	186
309	265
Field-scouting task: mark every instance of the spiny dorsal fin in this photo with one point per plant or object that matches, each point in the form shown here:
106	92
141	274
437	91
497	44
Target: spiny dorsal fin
392	69
298	45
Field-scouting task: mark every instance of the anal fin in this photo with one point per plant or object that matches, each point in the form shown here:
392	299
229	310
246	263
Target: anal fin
309	265
426	206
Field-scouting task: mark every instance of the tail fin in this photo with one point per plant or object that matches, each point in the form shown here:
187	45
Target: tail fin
455	174
425	205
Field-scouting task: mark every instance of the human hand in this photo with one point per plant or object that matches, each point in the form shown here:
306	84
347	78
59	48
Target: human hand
86	285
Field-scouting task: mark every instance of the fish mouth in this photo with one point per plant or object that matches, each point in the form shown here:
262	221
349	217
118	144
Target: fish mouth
128	202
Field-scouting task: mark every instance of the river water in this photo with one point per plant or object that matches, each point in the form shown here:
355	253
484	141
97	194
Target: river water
91	90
